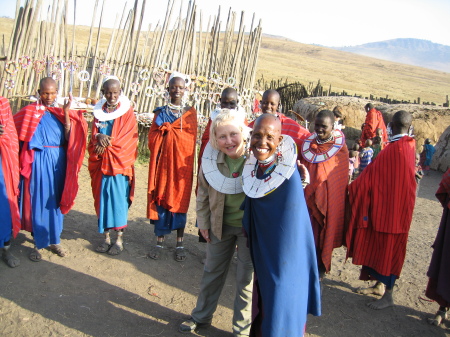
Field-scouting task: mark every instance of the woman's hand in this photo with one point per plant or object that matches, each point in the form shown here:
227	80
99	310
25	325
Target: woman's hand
304	174
99	149
67	104
104	140
66	108
205	234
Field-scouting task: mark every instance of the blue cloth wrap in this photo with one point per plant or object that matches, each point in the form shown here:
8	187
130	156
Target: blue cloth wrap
284	257
115	195
5	211
47	180
430	150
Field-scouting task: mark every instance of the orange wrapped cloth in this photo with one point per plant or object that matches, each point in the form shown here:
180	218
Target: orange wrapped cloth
118	158
170	175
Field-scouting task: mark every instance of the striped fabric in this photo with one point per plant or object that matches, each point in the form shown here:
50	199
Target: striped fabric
366	158
325	197
9	150
118	158
171	167
26	121
381	203
439	269
374	121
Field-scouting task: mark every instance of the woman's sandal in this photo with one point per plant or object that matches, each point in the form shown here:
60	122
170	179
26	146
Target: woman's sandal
103	247
155	252
58	250
35	255
180	254
116	249
438	318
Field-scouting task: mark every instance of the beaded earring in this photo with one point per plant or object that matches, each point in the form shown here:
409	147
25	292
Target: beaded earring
166	97
280	107
279	154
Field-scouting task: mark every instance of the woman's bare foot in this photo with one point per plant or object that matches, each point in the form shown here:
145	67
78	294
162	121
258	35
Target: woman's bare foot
58	250
377	289
10	259
384	302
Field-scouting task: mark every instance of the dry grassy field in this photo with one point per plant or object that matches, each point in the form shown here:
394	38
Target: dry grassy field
285	59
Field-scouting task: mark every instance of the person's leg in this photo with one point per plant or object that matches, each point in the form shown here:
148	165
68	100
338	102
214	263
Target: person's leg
9	258
35	254
385	301
218	258
242	315
155	252
180	253
439	317
106	244
117	248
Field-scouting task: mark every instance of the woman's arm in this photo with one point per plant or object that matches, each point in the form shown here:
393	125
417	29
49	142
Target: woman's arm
203	209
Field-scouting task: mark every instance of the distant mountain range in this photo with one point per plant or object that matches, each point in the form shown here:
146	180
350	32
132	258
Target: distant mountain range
422	53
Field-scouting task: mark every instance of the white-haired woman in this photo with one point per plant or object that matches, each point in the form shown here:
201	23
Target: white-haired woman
219	219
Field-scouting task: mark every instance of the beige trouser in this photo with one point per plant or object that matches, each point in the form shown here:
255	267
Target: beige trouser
218	258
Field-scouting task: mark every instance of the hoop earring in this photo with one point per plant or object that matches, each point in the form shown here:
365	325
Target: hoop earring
166	97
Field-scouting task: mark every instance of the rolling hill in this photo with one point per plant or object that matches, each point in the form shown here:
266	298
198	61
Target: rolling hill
281	58
422	53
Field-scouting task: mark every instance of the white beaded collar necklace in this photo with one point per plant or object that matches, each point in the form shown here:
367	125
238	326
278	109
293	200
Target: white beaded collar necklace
102	116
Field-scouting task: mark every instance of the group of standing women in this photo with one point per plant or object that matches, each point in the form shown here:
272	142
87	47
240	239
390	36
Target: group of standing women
249	194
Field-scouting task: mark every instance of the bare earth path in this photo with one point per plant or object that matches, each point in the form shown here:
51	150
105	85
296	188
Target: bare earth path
92	294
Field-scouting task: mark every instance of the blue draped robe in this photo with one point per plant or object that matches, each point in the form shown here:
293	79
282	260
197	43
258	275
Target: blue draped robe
284	257
5	211
115	195
47	180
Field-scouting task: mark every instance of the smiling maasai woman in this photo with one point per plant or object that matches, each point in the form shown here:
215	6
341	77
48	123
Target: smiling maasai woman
112	152
279	233
171	141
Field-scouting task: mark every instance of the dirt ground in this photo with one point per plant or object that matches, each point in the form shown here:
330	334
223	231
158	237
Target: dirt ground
92	294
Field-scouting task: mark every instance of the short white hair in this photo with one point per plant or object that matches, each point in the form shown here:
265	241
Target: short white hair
227	117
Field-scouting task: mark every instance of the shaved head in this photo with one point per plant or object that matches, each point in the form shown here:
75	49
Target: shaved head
47	82
230	92
401	121
271	93
110	83
269	119
326	114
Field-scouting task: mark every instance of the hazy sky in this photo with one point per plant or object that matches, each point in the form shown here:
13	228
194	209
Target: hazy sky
324	22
